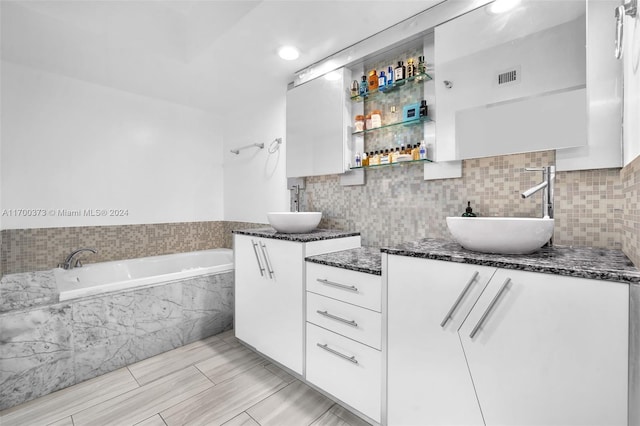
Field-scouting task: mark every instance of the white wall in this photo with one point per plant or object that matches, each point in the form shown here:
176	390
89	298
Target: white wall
69	144
255	181
631	56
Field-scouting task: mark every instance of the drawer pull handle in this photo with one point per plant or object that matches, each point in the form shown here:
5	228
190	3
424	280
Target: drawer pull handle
337	318
489	308
341	355
459	299
255	250
334	284
266	260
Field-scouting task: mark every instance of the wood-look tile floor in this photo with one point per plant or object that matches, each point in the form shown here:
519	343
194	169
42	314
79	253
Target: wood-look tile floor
215	381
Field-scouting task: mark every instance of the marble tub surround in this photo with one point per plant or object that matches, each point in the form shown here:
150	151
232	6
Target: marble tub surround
362	259
581	262
43	349
317	235
27	289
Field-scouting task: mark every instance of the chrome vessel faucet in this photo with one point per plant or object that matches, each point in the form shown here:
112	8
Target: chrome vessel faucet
68	262
296	201
547	187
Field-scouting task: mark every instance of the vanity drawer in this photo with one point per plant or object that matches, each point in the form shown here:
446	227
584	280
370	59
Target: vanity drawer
348	320
353	287
348	370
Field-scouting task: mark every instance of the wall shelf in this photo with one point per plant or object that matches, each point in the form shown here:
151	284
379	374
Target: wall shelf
399	163
399	123
419	78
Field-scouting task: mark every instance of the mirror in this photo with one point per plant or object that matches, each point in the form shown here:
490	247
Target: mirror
511	81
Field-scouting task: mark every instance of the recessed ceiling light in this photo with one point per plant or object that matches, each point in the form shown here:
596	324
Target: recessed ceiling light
502	6
288	53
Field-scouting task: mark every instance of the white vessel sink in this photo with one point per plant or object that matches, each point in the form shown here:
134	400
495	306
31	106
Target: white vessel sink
502	235
294	222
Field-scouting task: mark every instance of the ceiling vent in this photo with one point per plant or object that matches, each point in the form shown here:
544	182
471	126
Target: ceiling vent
508	77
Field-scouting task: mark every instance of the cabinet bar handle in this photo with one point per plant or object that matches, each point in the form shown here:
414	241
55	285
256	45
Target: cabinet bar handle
266	260
337	318
341	355
334	284
458	300
255	250
489	308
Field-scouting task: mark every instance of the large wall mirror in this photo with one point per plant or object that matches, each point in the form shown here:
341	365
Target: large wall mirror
511	81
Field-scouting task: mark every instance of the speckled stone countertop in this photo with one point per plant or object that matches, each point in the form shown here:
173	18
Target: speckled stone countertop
362	259
317	235
582	262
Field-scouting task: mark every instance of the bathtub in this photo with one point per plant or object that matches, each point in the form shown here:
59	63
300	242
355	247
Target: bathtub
99	278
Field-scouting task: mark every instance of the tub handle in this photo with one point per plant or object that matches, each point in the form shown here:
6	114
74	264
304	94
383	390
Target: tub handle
255	250
266	260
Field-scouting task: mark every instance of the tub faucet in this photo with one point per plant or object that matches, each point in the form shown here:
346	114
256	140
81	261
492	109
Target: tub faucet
296	201
548	178
68	262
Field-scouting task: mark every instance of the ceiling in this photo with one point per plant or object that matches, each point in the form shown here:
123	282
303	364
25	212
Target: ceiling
214	55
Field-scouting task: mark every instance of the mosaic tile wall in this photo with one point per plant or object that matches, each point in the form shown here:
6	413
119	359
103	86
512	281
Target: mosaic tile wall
25	250
397	205
230	226
630	177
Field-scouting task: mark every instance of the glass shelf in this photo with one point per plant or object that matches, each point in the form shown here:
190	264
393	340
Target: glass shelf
419	78
399	163
399	123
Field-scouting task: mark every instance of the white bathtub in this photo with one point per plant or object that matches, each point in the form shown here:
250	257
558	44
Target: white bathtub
98	278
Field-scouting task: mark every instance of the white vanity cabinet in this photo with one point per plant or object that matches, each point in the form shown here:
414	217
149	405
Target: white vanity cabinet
546	349
269	293
428	380
344	324
552	350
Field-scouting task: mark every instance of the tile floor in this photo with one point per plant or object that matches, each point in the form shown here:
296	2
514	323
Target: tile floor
215	381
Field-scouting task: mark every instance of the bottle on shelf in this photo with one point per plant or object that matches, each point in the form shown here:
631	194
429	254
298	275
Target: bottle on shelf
422	66
376	159
399	73
403	150
358	160
364	86
365	159
415	152
408	149
384	158
373	81
390	77
376	119
411	68
355	88
367	122
382	81
423	108
359	123
423	151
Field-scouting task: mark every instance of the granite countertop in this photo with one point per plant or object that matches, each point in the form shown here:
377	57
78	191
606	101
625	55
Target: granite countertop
317	235
582	262
362	259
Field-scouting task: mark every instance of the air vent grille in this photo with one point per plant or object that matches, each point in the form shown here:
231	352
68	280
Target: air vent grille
507	77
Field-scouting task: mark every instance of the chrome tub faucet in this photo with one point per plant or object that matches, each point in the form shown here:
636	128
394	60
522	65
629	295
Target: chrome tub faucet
547	187
70	264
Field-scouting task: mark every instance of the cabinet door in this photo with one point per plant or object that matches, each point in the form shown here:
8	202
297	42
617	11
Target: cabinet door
317	117
551	351
428	379
269	306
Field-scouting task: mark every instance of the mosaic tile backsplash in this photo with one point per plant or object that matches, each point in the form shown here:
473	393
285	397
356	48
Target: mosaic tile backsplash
25	250
396	205
631	215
